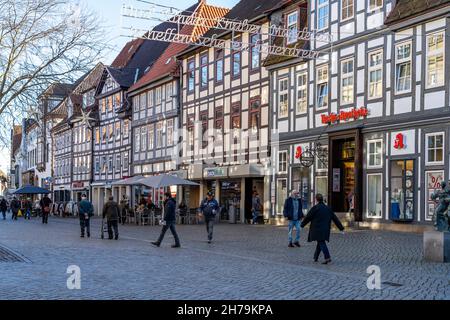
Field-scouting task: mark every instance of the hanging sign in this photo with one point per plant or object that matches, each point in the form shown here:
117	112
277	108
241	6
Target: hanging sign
336	180
399	142
354	113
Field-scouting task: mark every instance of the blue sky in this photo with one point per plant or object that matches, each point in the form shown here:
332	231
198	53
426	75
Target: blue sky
110	12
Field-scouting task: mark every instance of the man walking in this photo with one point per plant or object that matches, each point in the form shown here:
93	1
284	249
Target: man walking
85	212
169	221
294	213
45	207
124	208
3	207
209	208
28	206
320	217
256	207
15	207
111	212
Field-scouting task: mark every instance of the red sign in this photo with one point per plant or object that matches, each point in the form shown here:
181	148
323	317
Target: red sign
355	113
78	185
298	152
399	142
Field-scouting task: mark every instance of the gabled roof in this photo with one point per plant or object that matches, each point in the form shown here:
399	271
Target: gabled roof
250	10
166	63
58	89
405	9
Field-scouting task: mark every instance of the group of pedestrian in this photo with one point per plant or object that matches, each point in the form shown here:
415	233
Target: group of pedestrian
319	216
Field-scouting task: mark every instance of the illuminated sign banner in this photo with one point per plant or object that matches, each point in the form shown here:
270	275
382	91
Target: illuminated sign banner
355	114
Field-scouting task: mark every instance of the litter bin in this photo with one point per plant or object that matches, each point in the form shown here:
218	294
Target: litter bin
232	214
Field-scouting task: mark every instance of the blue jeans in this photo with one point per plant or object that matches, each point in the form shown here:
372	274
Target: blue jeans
292	224
27	214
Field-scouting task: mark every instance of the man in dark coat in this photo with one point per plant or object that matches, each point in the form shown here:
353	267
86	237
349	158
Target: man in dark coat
209	208
169	221
320	217
45	205
85	212
15	207
293	212
3	208
111	212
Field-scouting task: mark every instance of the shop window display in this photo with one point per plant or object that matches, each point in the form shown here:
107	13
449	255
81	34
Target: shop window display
402	190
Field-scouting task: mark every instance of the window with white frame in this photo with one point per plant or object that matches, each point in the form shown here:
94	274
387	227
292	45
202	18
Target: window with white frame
302	100
322	159
159	134
374	192
403	67
375	4
292	26
347	81
322	14
125	162
191	75
374	153
322	87
282	161
435	60
110	163
126	128
150	102
143	101
322	187
434	145
375	74
170	132
151	132
118	162
143	138
347	9
283	98
158	95
137	140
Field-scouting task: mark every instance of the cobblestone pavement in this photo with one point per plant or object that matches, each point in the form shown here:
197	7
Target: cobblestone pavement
243	262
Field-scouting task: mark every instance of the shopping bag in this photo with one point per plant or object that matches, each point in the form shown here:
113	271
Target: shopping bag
19	214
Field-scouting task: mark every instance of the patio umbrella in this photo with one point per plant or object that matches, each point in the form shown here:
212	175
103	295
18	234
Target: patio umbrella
128	181
165	180
31	190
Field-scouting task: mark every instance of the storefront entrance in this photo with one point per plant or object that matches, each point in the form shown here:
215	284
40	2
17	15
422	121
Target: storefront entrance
345	173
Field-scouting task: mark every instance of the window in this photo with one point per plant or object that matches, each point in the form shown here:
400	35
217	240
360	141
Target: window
375	4
191	75
103	105
204	121
110	132
110	102
374	153
322	187
302	99
434	144
104	164
255	116
204	70
292	26
125	162
118	164
158	96
374	192
103	134
118	130
151	132
169	91
281	195
150	102
143	102
236	60
433	181
282	162
283	98
375	74
143	138
190	126
402	190
322	14
159	135
170	132
403	67
137	140
347	9
97	165
347	81
117	100
322	87
219	65
136	104
435	60
236	119
322	160
126	128
110	164
254	51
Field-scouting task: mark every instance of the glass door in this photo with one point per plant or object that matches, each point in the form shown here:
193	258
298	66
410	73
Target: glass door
402	190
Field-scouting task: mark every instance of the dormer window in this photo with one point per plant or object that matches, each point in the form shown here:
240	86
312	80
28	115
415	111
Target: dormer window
292	26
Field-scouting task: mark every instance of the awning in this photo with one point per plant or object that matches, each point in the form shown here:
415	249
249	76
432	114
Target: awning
128	181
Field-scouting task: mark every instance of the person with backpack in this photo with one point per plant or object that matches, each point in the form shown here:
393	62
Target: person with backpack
45	206
256	207
86	211
209	208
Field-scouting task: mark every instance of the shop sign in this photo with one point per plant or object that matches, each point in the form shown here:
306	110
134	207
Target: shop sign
403	142
354	114
433	182
299	150
78	185
214	172
336	180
